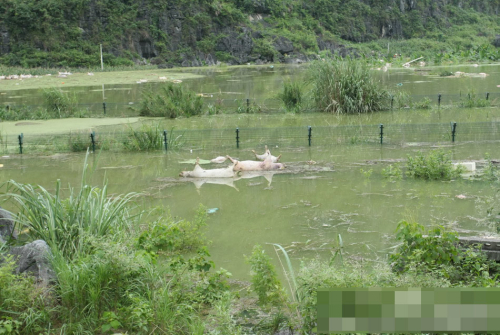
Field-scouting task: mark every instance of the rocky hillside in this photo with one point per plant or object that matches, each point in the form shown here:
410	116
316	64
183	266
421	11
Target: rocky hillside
203	32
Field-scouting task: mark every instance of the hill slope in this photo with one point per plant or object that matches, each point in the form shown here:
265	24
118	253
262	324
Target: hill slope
197	32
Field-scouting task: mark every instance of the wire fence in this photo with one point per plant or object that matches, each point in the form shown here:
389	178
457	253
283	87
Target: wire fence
274	105
156	139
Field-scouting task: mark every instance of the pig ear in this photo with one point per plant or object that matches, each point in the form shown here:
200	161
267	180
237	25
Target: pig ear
265	148
232	160
278	158
197	160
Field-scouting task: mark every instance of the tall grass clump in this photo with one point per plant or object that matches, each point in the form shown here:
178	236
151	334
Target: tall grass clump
58	103
170	101
345	86
68	224
148	137
292	96
265	280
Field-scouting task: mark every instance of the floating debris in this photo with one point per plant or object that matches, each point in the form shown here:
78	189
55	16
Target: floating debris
460	196
193	161
212	210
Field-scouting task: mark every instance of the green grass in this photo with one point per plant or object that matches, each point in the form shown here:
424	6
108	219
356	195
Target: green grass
170	101
148	137
68	224
292	96
346	87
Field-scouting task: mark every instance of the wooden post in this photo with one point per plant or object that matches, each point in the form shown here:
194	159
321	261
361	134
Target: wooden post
102	64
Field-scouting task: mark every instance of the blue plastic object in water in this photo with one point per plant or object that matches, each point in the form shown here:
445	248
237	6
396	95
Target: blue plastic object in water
212	210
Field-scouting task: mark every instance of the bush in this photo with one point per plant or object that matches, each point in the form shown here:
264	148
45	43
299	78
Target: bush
265	280
436	165
170	101
173	236
393	172
436	251
345	86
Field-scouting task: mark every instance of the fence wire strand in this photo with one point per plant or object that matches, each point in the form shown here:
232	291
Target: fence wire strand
395	134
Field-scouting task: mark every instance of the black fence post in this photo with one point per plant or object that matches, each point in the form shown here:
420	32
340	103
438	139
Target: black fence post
92	139
309	134
238	138
104	107
20	138
453	130
439	100
248	105
165	139
7	108
487	95
392	101
381	133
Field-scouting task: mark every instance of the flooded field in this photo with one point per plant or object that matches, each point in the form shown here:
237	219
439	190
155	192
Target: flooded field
231	86
321	193
326	189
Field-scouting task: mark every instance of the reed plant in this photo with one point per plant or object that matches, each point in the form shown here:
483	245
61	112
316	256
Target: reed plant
148	137
170	101
58	103
345	86
292	96
67	224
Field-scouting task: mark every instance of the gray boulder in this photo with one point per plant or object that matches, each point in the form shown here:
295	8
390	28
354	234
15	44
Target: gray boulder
283	45
32	259
6	226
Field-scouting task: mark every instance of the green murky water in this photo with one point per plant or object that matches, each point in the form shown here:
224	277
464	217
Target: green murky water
261	85
304	208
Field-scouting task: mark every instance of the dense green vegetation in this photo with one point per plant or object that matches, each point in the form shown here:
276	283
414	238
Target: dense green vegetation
54	33
346	87
105	254
170	101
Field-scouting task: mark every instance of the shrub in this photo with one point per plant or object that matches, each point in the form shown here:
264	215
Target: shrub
423	104
346	86
22	306
265	280
490	172
291	96
170	101
436	251
173	236
393	172
436	165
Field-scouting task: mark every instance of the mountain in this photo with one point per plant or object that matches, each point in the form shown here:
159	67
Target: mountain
65	33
